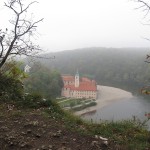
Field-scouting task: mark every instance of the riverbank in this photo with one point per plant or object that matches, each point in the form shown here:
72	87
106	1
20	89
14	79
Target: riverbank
106	95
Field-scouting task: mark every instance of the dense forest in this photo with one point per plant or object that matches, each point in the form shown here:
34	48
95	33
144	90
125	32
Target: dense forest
119	67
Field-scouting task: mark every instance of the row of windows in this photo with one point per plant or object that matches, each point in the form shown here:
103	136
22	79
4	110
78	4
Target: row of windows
91	92
80	91
67	82
85	97
85	93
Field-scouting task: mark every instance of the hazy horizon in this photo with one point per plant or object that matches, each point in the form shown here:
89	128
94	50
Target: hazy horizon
77	24
94	47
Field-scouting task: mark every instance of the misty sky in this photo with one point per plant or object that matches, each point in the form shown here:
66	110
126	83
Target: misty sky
71	24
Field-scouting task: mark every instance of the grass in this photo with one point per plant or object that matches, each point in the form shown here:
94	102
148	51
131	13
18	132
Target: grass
69	101
76	104
83	106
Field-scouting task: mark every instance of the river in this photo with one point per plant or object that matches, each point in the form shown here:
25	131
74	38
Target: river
122	109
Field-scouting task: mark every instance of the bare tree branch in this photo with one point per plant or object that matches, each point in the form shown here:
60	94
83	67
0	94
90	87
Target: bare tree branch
31	27
41	57
145	6
28	6
18	40
2	46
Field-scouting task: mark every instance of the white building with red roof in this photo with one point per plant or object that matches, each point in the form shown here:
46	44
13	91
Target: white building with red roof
76	87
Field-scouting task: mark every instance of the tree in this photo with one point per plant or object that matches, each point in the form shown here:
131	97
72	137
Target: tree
18	40
11	87
47	82
145	6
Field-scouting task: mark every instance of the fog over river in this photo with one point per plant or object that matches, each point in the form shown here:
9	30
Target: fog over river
116	104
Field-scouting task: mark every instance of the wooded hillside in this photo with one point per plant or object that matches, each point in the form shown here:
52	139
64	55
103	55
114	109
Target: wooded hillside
119	67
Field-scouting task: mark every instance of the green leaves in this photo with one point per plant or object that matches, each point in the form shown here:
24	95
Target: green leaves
11	87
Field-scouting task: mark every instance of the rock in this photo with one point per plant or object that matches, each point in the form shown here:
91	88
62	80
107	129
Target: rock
43	147
16	121
94	143
43	131
103	139
4	128
11	137
56	135
44	125
64	143
96	136
38	135
23	133
35	123
74	139
50	146
50	134
105	143
24	144
64	148
29	131
11	144
59	132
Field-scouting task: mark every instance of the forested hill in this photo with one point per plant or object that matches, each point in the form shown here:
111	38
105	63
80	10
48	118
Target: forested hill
119	67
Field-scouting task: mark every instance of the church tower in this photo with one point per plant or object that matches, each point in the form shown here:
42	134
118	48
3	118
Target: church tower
77	79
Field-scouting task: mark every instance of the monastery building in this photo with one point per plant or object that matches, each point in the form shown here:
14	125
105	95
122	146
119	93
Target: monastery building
76	87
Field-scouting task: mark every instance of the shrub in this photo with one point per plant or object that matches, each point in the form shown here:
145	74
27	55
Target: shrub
34	100
10	88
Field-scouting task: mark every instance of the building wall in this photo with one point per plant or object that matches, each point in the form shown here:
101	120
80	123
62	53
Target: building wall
79	94
77	80
85	94
69	82
66	92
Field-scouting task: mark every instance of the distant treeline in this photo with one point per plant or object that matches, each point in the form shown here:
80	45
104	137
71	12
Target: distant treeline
119	67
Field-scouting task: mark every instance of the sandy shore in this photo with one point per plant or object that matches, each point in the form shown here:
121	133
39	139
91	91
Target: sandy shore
106	96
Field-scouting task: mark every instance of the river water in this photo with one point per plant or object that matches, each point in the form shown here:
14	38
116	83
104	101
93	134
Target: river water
121	110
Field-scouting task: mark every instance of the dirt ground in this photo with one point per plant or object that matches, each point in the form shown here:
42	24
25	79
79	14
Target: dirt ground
32	130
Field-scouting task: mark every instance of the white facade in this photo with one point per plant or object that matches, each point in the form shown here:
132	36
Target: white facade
27	68
74	87
77	80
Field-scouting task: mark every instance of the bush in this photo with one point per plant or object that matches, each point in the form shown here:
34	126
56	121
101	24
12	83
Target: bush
11	89
34	100
11	86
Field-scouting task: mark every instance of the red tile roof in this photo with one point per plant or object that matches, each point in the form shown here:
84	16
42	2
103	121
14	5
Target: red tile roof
68	78
86	79
82	87
85	84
